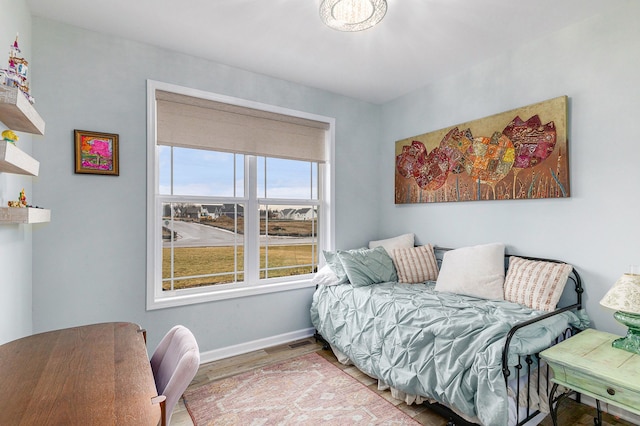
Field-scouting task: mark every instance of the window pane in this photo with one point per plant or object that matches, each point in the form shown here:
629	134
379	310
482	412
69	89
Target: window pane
164	158
288	179
181	284
314	181
239	175
206	173
260	174
202	245
288	240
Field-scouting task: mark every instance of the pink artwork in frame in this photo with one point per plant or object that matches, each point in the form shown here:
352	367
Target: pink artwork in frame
96	153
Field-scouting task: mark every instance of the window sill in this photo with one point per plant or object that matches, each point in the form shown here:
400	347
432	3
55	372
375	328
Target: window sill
172	299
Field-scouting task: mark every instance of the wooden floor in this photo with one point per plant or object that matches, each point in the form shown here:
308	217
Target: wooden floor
570	413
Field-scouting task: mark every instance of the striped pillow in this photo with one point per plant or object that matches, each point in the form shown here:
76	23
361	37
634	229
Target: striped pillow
536	284
415	264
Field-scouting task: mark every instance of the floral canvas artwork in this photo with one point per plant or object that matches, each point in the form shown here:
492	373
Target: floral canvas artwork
518	154
96	153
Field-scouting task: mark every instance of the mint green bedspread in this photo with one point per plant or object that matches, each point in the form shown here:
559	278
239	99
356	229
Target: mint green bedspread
440	345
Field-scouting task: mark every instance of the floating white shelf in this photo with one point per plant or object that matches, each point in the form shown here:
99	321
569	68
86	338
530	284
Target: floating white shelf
13	160
17	113
24	215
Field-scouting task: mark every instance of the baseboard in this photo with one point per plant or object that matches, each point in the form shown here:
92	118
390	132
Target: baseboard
254	345
612	409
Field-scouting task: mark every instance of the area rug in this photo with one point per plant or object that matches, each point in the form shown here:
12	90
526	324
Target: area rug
307	390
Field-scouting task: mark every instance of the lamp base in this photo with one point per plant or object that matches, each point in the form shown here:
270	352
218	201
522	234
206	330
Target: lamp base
631	342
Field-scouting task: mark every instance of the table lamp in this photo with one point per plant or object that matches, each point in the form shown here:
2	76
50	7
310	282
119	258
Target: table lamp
624	298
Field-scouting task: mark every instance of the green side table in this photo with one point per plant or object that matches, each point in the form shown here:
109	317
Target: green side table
587	364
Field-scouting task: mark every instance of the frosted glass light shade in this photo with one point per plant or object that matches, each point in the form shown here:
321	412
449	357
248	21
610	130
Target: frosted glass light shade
624	295
352	15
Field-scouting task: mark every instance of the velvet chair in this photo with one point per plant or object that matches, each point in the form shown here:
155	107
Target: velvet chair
174	363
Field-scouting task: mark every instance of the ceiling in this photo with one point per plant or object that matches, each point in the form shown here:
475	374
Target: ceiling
418	41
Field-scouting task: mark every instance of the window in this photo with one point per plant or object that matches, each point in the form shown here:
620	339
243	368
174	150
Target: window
239	196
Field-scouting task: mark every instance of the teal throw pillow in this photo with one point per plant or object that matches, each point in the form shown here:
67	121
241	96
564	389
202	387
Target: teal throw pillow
331	257
368	266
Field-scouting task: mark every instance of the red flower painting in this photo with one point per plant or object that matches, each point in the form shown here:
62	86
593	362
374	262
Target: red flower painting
495	158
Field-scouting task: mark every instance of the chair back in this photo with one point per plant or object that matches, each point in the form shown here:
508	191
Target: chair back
174	363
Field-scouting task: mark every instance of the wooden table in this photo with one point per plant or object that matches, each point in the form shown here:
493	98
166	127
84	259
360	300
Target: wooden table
587	363
90	375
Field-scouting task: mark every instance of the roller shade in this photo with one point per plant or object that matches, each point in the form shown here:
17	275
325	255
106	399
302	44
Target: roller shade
191	122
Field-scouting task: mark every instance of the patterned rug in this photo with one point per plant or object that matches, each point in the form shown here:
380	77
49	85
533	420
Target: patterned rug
307	390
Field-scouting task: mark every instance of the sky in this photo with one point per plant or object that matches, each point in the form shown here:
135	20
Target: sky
211	173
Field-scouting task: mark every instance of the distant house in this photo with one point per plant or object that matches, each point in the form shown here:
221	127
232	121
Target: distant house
286	214
229	210
271	214
188	211
307	213
304	214
215	211
192	211
212	211
180	210
166	210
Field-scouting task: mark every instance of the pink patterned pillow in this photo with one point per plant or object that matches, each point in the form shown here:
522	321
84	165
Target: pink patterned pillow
536	284
415	264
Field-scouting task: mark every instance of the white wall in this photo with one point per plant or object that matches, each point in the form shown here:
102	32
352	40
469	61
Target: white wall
597	229
15	240
89	262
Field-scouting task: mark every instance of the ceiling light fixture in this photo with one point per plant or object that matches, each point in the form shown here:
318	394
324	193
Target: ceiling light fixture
352	15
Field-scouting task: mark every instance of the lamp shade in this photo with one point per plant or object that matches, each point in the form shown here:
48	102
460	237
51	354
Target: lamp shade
624	295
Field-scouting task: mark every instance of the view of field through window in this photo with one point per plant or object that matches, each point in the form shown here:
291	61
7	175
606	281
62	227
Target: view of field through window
203	243
205	251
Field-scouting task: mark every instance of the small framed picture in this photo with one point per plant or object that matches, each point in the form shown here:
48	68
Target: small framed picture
96	153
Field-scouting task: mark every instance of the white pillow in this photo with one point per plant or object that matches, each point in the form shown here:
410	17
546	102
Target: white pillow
325	276
390	244
473	271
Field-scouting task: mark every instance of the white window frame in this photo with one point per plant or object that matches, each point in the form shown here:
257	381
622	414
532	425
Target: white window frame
156	297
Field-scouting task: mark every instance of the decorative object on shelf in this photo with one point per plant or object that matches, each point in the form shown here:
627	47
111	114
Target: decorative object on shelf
499	157
15	75
352	15
22	201
96	153
624	298
10	136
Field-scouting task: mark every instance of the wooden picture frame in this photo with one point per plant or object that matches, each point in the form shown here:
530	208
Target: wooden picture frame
96	153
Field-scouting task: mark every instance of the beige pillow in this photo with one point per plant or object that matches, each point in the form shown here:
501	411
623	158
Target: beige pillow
416	264
536	284
476	271
389	244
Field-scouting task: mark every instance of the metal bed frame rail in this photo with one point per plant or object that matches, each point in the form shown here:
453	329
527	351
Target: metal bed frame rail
529	359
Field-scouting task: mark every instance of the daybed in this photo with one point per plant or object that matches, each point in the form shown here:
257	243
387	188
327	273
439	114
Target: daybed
461	329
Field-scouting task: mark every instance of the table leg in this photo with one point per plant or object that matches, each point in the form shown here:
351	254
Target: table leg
598	420
554	411
556	401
